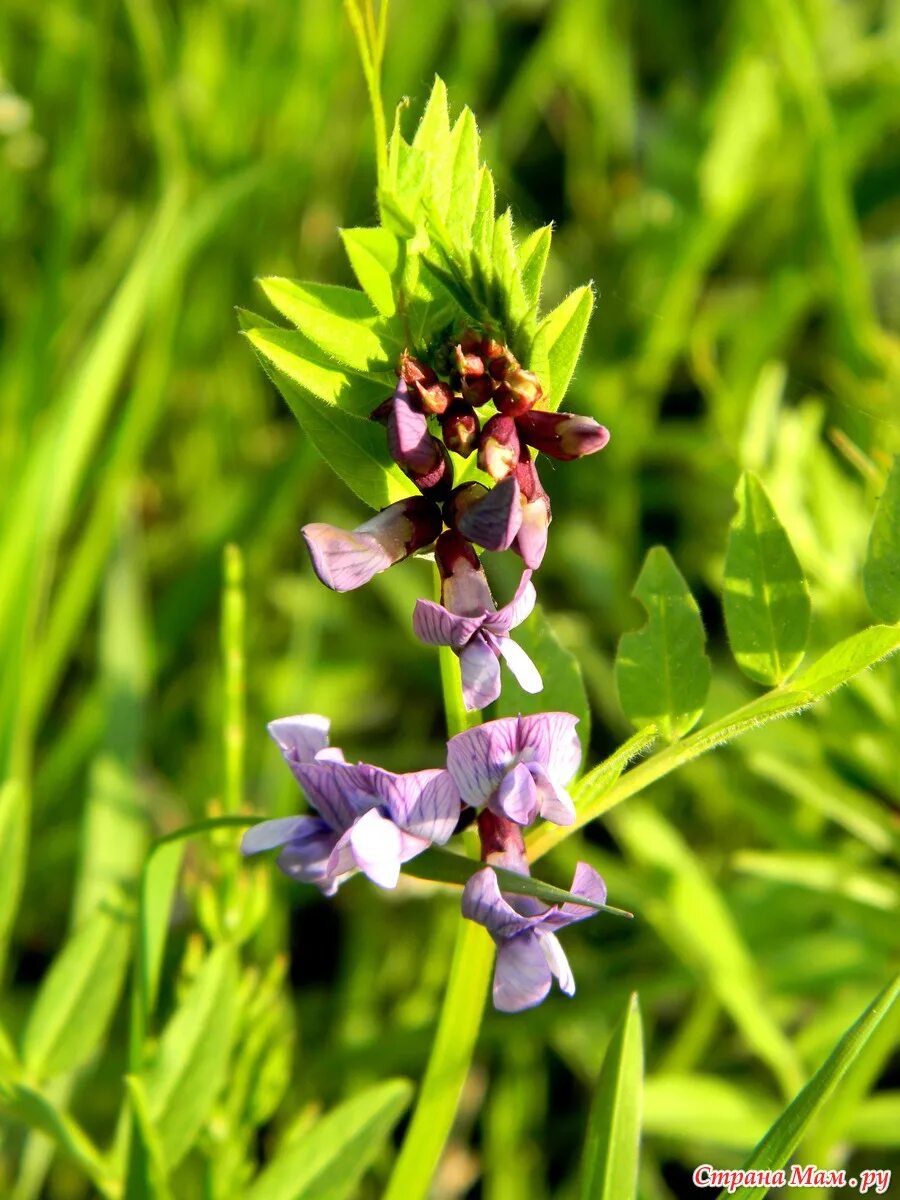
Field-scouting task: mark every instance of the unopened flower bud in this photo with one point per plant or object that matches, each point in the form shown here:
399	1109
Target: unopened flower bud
518	393
562	435
436	397
498	447
478	390
460	427
411	445
413	371
469	366
454	553
437	482
500	360
461	500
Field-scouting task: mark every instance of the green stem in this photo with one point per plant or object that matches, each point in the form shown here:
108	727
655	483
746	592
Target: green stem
233	726
460	1018
370	40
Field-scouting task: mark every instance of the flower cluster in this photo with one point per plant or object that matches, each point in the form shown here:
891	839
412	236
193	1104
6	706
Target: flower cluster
367	819
475	398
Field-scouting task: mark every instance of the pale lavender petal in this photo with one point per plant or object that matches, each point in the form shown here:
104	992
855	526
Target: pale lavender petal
554	803
483	903
331	754
466	593
494	521
269	834
343	560
307	855
588	883
410	845
409	441
300	738
435	626
531	540
480	669
522	974
377	847
550	739
478	758
339	792
426	804
557	961
526	673
517	796
518	609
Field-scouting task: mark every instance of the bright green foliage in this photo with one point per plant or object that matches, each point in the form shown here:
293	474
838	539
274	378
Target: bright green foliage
609	1169
191	1061
766	598
327	1162
154	160
662	672
881	573
77	1000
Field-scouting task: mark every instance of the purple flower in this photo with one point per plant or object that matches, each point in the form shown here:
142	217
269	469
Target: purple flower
518	766
471	624
367	819
344	560
528	950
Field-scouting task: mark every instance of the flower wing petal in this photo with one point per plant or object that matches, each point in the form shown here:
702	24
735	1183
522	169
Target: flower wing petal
522	974
377	848
518	609
269	834
517	796
483	903
526	673
586	882
494	521
550	739
480	668
557	961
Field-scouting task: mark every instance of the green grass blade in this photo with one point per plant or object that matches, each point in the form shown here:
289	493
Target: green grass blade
328	1162
448	1065
609	1167
881	572
774	1151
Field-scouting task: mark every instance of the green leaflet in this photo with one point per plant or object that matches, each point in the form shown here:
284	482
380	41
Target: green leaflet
464	188
353	447
881	572
336	319
766	598
854	654
533	253
185	1078
509	296
610	1164
558	343
445	866
78	996
328	1161
776	1148
375	256
662	672
432	142
563	689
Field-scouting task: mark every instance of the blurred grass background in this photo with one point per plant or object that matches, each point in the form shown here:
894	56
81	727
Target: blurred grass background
729	176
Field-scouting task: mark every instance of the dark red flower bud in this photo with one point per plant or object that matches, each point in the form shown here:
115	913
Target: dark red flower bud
470	342
461	500
460	427
518	393
413	371
437	482
436	397
499	359
477	391
562	435
469	366
451	550
499	447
